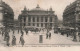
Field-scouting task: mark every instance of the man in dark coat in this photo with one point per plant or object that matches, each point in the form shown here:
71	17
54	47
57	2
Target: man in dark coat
49	35
26	32
14	41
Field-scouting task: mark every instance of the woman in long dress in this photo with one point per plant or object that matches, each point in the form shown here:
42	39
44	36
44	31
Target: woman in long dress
22	40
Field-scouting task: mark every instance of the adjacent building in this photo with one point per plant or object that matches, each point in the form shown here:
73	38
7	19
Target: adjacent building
38	18
71	15
6	15
16	24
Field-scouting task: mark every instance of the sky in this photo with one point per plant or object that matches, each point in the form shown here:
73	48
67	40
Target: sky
57	5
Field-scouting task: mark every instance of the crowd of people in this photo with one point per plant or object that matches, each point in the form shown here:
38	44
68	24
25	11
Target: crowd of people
48	35
6	36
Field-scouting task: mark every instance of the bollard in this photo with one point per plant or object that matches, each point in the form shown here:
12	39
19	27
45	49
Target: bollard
41	39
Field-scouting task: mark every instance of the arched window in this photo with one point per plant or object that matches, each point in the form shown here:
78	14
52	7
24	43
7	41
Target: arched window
29	24
37	24
29	19
24	24
50	24
24	19
41	24
41	19
37	19
46	25
33	19
33	24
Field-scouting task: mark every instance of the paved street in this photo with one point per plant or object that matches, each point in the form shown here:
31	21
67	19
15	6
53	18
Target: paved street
33	38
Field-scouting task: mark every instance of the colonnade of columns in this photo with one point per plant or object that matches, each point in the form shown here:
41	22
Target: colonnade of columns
39	23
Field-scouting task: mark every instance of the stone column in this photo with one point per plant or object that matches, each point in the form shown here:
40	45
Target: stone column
39	21
39	24
53	19
48	19
1	15
35	21
27	21
44	21
22	20
31	21
22	24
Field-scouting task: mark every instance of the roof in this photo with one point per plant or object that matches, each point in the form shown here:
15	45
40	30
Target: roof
71	5
37	9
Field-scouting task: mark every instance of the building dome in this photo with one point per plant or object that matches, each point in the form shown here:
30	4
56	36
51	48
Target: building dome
37	9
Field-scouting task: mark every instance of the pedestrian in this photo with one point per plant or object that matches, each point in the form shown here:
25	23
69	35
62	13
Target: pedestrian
14	41
22	32
5	35
79	36
21	40
49	35
2	33
61	32
35	30
68	33
7	39
13	31
26	32
18	31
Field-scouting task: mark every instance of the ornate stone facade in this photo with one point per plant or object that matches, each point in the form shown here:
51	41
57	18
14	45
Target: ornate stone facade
71	15
6	15
37	17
